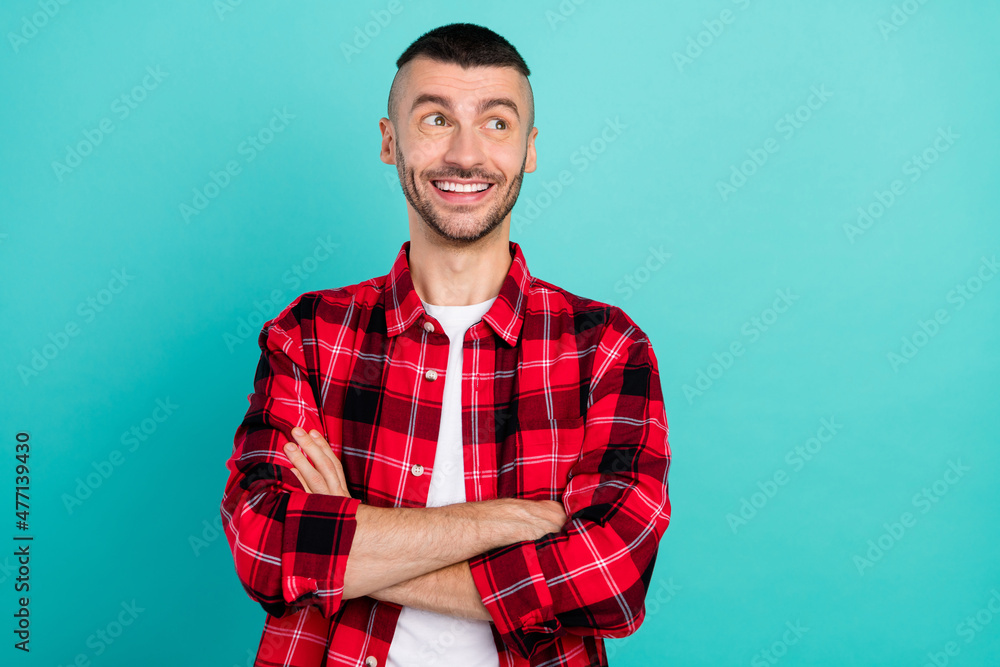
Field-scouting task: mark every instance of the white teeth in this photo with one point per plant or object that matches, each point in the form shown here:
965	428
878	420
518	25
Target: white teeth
461	187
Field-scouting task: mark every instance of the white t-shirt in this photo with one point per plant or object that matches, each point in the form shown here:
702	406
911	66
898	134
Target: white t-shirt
424	638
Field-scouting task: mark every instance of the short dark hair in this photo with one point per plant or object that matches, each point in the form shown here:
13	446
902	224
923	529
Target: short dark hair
467	45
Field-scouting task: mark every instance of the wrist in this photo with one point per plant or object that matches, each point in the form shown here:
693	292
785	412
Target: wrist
497	524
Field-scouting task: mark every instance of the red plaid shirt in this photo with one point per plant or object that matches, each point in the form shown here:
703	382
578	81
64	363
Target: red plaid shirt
561	400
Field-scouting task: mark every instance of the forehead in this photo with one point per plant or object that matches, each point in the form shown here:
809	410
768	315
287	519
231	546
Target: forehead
463	86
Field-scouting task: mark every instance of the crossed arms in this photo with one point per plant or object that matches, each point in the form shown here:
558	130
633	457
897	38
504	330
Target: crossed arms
415	557
520	564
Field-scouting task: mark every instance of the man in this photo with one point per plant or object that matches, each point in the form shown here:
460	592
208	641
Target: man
455	463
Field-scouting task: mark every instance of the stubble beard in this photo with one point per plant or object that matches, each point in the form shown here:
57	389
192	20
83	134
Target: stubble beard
456	227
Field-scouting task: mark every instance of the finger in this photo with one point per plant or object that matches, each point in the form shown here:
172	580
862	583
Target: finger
325	461
324	446
320	454
334	461
302	481
314	477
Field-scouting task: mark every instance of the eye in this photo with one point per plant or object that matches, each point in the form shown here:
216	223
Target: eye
437	120
501	124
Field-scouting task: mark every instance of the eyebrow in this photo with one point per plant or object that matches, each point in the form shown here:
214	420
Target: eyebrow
485	105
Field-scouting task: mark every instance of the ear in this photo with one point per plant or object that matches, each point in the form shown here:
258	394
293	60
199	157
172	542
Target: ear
529	162
388	154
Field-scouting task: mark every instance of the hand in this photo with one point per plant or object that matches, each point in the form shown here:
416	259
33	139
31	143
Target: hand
532	519
324	475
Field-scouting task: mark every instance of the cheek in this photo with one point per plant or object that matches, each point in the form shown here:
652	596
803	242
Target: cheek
422	151
509	161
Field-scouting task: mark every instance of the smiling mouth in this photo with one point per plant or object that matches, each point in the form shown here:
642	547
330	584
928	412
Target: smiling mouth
458	188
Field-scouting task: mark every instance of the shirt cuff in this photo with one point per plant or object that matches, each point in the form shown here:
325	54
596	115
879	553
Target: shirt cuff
317	538
516	595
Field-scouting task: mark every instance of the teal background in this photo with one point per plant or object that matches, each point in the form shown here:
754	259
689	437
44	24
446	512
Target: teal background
720	596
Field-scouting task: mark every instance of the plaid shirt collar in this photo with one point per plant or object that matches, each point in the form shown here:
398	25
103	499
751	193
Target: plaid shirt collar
403	308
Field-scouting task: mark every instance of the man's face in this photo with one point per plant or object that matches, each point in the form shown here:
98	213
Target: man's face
461	144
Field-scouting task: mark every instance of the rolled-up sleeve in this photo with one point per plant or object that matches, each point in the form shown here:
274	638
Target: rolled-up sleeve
289	547
591	577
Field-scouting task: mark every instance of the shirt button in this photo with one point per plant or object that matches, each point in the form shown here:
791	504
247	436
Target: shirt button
371	661
417	469
429	327
431	375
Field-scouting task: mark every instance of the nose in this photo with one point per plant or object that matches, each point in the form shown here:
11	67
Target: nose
465	149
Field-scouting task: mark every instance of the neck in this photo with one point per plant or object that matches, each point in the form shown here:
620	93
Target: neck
459	276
